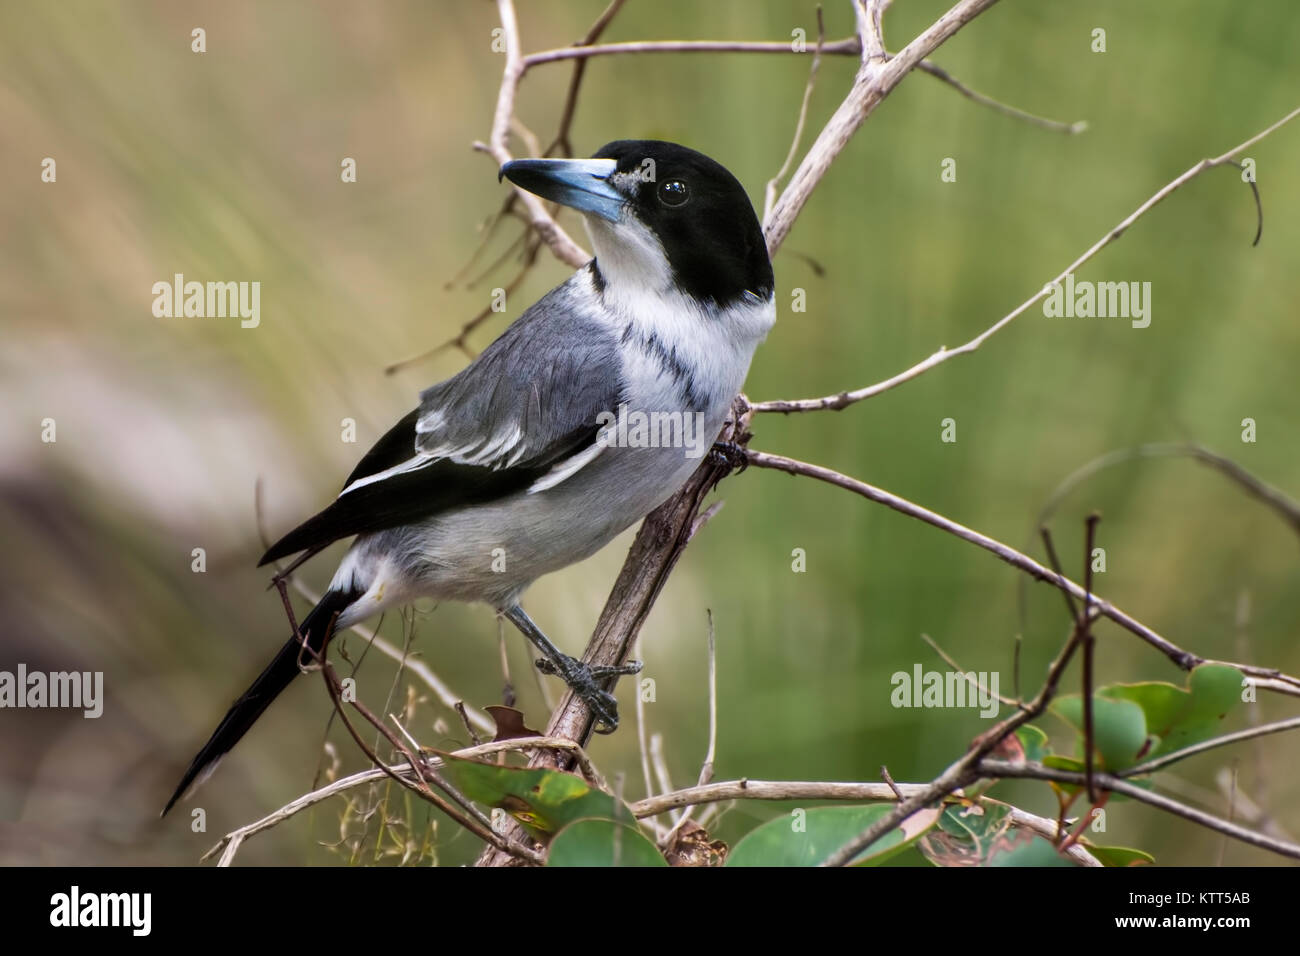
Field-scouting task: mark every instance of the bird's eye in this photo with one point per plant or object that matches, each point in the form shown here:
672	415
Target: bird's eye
673	193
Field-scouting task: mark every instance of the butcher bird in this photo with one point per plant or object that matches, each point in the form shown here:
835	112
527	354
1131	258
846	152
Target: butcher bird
514	467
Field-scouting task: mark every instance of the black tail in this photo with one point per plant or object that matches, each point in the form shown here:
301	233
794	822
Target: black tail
277	676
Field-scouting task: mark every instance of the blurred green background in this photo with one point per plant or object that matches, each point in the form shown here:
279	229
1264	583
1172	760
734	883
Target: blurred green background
225	166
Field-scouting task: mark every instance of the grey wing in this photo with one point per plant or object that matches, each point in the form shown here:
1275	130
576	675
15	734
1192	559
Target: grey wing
522	417
532	397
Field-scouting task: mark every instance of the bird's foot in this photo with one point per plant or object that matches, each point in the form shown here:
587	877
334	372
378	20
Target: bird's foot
731	454
584	680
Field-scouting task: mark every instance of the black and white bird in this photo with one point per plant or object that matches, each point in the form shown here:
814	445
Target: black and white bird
509	469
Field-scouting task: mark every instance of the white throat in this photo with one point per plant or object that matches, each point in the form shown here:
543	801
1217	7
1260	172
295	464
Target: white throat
641	299
631	257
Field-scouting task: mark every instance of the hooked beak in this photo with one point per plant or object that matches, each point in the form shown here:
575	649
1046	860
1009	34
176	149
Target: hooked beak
580	183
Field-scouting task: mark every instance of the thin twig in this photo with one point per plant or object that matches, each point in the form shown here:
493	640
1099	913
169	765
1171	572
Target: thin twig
1089	647
844	399
559	241
660	765
876	77
846	47
446	696
706	769
963	771
1184	659
643	738
472	819
769	194
1286	507
404	770
561	140
1056	126
849	46
461	339
1001	769
968	676
884	775
769	790
1250	733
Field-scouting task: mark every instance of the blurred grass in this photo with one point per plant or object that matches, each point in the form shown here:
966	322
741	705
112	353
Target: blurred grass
225	166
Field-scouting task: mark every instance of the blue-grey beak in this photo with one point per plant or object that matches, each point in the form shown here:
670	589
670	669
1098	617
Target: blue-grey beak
580	183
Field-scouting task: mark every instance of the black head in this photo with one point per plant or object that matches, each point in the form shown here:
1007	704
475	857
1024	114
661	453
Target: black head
698	213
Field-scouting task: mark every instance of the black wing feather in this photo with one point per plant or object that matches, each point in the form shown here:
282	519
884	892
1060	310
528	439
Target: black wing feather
414	495
397	446
555	356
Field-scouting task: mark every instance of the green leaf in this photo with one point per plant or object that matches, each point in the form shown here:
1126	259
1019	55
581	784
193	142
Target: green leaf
1178	718
1120	856
1062	762
602	843
1036	852
1161	702
968	835
1119	728
544	801
809	836
1034	742
1216	689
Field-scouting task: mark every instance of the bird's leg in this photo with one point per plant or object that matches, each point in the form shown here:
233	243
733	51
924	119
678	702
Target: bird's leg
598	672
582	679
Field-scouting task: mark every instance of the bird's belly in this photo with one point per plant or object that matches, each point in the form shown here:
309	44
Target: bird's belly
492	552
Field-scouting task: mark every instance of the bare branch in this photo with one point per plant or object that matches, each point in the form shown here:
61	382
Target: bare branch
768	790
365	777
1159	763
1056	126
706	769
769	195
875	79
559	241
846	47
966	675
665	532
844	399
850	792
446	696
660	765
964	771
849	46
561	141
1001	769
1285	506
1186	660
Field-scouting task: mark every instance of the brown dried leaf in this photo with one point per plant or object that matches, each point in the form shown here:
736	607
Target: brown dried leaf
510	723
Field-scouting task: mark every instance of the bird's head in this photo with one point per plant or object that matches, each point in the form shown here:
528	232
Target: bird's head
660	215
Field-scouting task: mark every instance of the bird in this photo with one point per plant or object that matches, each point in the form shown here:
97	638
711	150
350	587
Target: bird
522	463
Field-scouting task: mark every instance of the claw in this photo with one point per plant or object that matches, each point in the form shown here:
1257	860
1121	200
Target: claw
584	681
732	454
604	672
